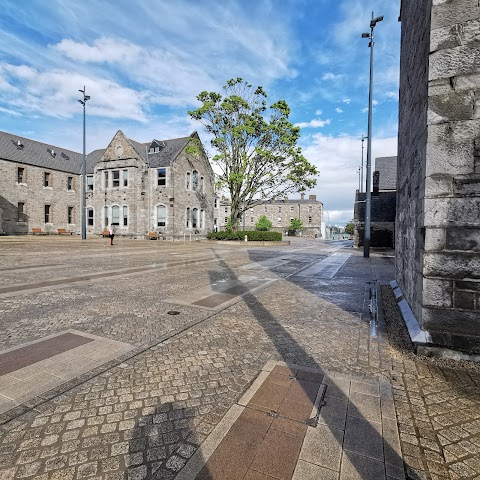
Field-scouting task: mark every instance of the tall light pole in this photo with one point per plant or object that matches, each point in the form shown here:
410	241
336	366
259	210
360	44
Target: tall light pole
361	180
368	197
84	169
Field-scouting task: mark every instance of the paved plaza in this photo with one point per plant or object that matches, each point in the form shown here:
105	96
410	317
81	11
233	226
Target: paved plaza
162	360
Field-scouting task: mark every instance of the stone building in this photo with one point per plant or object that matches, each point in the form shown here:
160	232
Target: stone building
279	212
137	187
383	206
438	206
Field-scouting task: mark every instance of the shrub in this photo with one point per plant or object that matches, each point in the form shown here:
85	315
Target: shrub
263	224
253	235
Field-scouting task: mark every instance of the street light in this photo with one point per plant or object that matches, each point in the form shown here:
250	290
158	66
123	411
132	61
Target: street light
84	168
368	197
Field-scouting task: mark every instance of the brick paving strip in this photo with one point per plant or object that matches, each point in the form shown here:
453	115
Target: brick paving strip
34	368
60	282
302	423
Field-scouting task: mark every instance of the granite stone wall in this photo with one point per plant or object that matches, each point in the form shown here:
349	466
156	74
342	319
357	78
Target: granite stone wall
438	205
34	195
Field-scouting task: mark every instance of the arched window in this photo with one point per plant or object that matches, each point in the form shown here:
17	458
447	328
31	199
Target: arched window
115	215
187	181
194	180
195	218
201	219
161	216
200	185
187	217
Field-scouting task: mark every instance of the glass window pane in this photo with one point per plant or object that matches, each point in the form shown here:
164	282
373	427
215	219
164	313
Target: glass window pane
161	216
125	215
195	218
115	215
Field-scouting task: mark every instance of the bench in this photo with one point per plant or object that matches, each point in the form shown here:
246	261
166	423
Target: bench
63	231
152	236
38	231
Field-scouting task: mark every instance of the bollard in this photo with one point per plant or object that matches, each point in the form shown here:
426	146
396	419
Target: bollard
246	238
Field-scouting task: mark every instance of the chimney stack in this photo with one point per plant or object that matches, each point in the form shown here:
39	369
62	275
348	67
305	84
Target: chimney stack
302	196
312	197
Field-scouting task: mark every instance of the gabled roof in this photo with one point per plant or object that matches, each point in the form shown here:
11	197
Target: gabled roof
169	152
387	166
39	154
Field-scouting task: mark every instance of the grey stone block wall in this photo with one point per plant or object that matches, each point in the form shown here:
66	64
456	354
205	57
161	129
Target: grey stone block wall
438	222
35	196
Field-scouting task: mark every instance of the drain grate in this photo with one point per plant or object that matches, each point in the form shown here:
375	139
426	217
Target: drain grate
173	312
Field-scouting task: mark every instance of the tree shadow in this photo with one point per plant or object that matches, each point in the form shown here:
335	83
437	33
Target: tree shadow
289	350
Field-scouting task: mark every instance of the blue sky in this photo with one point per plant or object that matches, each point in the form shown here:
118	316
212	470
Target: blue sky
144	62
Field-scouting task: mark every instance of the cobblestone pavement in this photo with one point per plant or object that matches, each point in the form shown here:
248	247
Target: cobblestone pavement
144	417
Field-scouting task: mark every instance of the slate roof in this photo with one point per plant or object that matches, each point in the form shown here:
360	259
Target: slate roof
168	153
387	166
38	153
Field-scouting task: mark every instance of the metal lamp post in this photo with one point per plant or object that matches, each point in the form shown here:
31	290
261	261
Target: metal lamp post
368	198
361	180
84	169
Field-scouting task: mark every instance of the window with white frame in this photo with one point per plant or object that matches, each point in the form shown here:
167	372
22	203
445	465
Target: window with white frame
309	219
201	218
125	216
105	217
90	216
125	178
89	183
226	220
195	218
200	185
115	215
161	216
115	178
194	180
188	217
47	179
69	183
162	177
187	180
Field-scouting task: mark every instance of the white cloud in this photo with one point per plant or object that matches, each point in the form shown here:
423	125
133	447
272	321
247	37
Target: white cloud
365	110
339	110
346	100
318	112
315	123
374	102
55	94
392	95
330	76
338	159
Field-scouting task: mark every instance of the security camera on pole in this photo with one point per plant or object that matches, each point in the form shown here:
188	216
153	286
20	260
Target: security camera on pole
368	198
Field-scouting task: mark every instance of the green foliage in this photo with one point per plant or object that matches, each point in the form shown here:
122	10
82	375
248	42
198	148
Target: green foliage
295	224
263	224
350	228
228	225
252	235
255	146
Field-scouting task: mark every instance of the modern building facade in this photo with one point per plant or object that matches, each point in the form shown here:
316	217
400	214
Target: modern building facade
136	187
280	212
383	206
438	206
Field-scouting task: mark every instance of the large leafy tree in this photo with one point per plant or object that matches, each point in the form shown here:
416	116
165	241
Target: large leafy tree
255	145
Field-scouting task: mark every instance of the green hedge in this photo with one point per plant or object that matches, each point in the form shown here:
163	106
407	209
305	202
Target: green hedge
252	235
